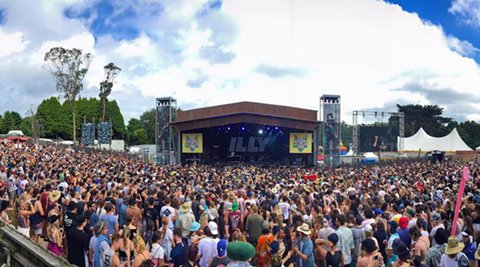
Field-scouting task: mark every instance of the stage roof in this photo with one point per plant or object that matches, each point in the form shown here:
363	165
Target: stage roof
247	112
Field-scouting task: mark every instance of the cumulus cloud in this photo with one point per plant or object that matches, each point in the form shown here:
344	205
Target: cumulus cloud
468	10
286	52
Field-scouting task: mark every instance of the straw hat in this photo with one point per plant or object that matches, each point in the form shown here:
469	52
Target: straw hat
304	228
185	207
453	246
477	254
55	195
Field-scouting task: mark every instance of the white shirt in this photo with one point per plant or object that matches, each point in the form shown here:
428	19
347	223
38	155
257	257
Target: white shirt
157	251
169	212
207	249
285	208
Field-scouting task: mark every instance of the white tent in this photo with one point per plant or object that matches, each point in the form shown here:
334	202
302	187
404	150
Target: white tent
423	141
477	149
350	153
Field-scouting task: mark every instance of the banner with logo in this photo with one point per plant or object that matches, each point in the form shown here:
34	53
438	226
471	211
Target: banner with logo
300	143
192	143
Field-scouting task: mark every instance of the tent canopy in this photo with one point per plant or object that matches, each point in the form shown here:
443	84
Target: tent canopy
425	142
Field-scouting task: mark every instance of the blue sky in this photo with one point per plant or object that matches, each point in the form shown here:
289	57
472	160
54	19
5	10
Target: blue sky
376	54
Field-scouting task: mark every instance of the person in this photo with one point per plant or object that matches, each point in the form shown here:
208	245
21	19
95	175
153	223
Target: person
78	243
404	257
453	255
402	230
166	238
185	219
240	253
422	244
263	247
103	244
253	225
345	243
303	247
434	254
143	255
158	253
179	251
55	236
234	220
207	247
470	246
221	259
134	211
110	219
36	219
110	257
436	224
169	212
371	256
24	212
333	257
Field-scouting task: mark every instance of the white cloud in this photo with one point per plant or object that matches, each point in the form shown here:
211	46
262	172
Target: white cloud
11	43
468	10
287	52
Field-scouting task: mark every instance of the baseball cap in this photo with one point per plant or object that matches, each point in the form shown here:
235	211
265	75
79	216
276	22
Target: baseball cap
222	247
213	227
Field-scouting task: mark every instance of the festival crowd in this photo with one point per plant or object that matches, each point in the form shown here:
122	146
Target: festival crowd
99	209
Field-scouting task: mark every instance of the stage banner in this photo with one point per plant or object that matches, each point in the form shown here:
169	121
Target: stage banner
192	143
105	132
300	143
88	133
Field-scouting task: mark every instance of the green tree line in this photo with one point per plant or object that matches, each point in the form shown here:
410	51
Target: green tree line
54	119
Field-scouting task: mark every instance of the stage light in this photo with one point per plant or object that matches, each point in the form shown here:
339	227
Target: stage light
276	127
260	131
243	128
268	128
228	128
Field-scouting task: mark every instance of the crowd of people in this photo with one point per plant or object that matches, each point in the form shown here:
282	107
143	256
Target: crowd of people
100	209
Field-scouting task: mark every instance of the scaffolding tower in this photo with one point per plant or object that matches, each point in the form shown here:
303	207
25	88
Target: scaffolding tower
356	130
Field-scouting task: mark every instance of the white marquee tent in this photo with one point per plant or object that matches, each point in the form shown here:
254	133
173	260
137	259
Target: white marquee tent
423	141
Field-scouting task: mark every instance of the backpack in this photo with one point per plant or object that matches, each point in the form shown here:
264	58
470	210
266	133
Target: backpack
147	263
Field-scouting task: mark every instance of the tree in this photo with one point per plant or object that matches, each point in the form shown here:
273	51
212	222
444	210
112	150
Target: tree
11	121
148	124
140	137
53	118
68	68
111	71
133	125
429	117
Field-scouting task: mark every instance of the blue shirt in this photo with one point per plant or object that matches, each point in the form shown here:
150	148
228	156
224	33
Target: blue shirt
470	250
110	220
305	246
179	255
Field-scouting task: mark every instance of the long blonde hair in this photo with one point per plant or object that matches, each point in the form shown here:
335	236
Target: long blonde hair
139	244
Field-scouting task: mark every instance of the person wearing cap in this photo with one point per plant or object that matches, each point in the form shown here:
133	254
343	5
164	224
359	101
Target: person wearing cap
453	255
303	247
435	253
470	246
185	219
402	230
345	243
78	243
207	247
235	220
436	224
240	253
221	259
